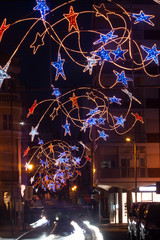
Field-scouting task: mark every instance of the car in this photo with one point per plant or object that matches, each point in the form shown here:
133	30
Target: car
134	219
132	216
150	223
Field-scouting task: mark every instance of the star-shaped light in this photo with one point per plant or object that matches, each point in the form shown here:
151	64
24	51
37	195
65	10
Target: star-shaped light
31	109
105	37
32	179
59	67
33	132
74	100
88	159
101	10
54	113
120	120
71	17
56	92
103	54
130	95
152	53
3	73
92	121
85	125
141	17
77	160
39	41
101	120
26	165
3	28
51	148
42	7
26	151
103	135
74	148
40	141
119	53
122	78
91	63
93	111
66	127
115	100
137	117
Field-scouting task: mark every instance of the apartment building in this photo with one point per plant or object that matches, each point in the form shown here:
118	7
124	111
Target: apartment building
122	168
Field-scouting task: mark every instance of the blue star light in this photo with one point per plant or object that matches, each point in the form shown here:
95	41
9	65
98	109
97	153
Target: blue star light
141	17
40	141
122	78
101	120
119	53
92	121
104	54
91	63
105	37
120	120
66	127
152	53
103	135
42	7
75	148
59	66
114	99
56	92
94	111
3	74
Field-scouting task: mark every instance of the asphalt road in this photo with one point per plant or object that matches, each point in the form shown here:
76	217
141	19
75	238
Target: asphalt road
114	232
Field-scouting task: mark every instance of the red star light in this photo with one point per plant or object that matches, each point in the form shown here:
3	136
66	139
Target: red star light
31	110
137	117
74	100
71	17
3	28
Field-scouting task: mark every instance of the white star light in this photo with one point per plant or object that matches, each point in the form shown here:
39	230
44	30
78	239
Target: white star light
33	132
3	73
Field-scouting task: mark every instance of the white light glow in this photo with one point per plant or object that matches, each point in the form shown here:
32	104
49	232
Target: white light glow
95	229
148	189
39	223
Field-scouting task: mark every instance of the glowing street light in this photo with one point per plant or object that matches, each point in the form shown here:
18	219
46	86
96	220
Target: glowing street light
135	164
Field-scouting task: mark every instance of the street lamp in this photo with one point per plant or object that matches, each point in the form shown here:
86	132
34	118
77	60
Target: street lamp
135	165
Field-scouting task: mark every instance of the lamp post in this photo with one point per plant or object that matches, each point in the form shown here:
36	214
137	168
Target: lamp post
135	165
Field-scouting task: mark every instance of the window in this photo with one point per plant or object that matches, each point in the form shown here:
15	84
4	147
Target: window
108	164
6	122
125	163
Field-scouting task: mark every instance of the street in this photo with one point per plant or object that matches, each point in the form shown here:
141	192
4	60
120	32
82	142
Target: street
109	232
113	232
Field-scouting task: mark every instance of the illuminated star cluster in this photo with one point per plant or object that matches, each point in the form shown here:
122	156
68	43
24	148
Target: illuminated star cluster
55	162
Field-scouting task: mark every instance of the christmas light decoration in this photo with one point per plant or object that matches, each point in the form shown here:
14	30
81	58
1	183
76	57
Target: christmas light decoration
59	67
55	163
42	7
141	17
3	73
152	53
86	108
104	38
71	17
3	28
